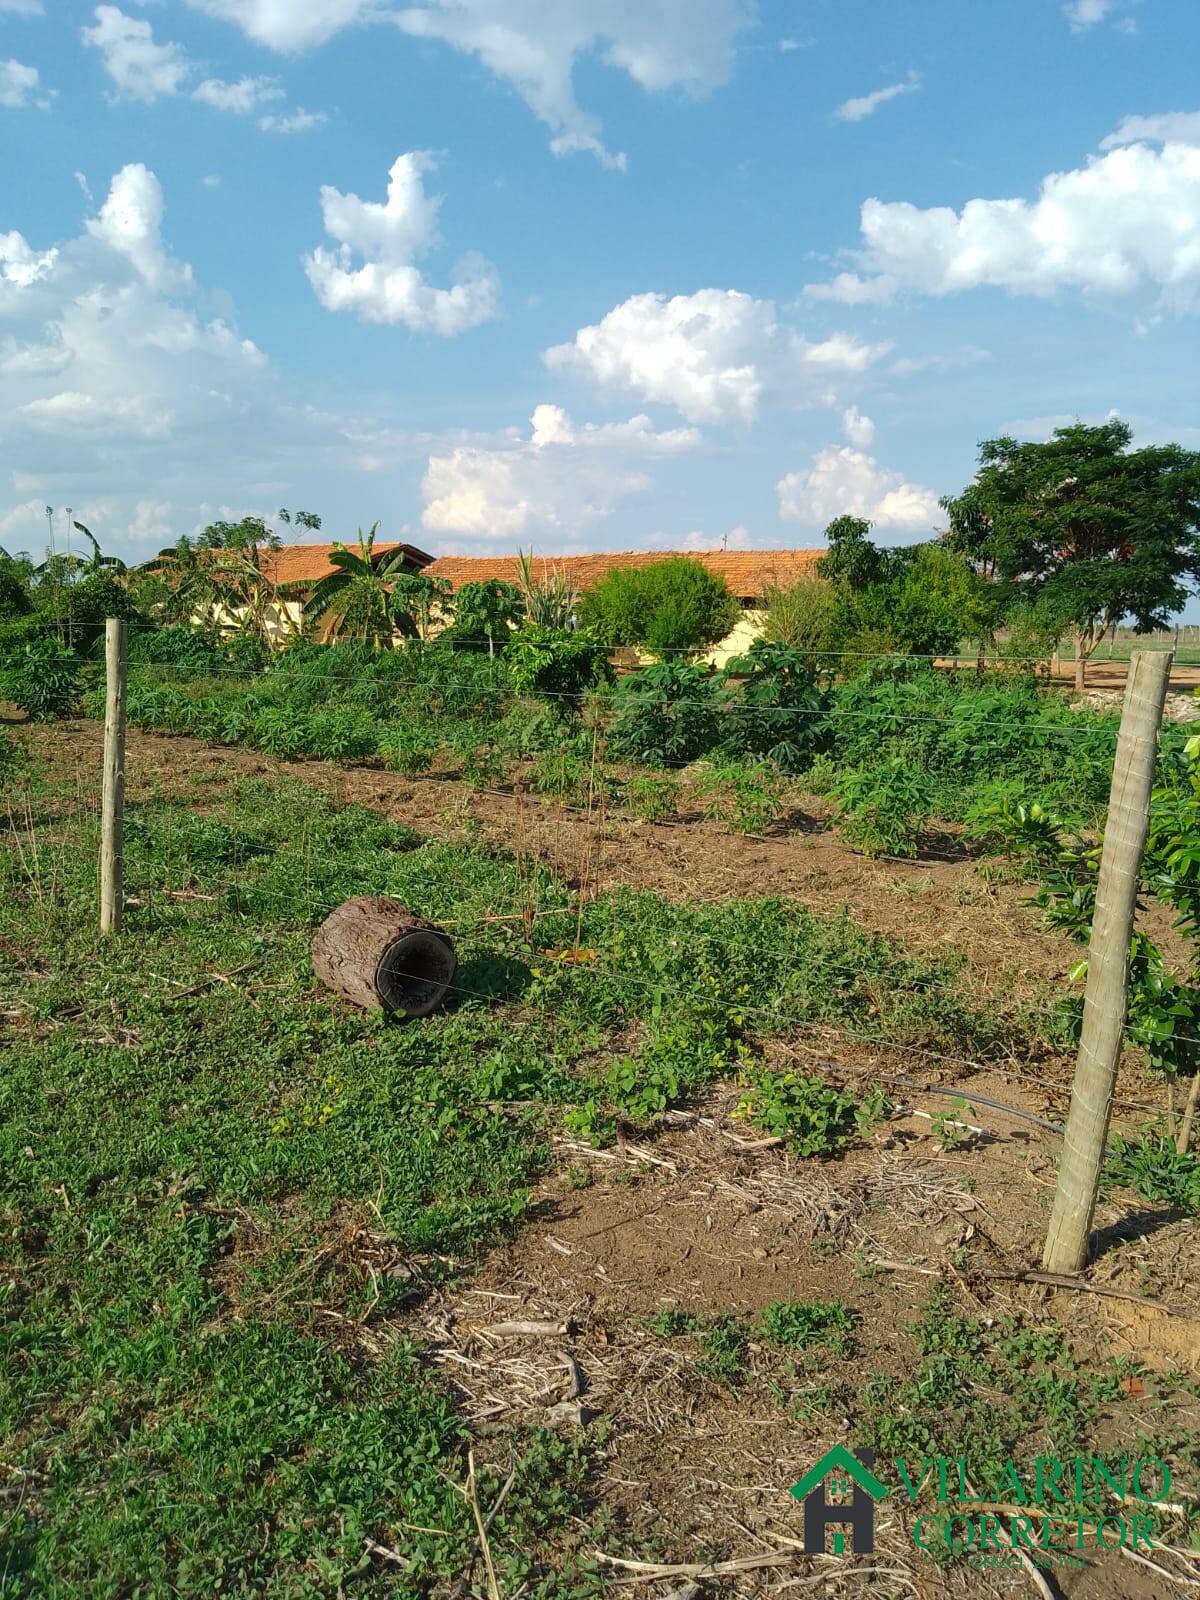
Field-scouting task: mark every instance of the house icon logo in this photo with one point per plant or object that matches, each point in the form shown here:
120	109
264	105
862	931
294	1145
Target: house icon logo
845	1473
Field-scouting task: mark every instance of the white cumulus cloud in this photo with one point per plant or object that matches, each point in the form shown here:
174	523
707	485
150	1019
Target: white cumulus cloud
389	235
865	105
298	121
112	380
531	44
1169	127
860	430
130	223
21	265
717	355
18	85
1127	221
239	98
287	24
1085	14
844	481
140	68
558	480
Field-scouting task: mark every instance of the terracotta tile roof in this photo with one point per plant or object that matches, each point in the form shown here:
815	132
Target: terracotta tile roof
308	563
747	572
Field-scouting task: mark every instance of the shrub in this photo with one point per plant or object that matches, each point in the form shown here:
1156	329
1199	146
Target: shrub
42	678
883	809
778	712
1151	1165
806	617
78	610
556	665
653	799
743	798
482	766
666	715
175	646
342	733
796	1324
563	776
814	1118
14	595
407	750
484	616
14	759
281	731
669	605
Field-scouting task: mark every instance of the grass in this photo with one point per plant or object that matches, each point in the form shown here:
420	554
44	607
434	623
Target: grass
222	1190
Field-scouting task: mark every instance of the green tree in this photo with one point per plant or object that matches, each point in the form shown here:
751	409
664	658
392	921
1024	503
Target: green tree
415	598
486	613
15	600
852	560
666	606
920	599
217	577
1092	529
302	519
806	616
355	600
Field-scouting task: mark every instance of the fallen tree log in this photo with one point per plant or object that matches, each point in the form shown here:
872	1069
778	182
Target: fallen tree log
379	955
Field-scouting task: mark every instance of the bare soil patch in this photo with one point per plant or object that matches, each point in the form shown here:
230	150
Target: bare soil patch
697	1469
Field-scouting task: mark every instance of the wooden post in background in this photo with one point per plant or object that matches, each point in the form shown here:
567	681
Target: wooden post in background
1106	996
112	816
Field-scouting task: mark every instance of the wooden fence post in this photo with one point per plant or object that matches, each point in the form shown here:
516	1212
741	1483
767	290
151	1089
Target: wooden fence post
112	816
1105	1000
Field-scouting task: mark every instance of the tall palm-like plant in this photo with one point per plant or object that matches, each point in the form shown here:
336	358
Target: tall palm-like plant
355	601
548	596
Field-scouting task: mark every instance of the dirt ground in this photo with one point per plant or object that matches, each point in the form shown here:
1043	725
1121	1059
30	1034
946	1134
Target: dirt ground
698	1222
704	1219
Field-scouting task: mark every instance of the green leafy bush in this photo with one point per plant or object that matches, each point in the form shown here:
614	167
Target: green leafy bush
805	617
563	776
342	733
408	750
482	765
666	715
14	592
653	799
42	678
14	759
777	712
746	799
1151	1165
556	665
814	1118
883	809
281	731
669	605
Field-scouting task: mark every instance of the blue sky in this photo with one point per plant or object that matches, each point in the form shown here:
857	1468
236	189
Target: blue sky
581	274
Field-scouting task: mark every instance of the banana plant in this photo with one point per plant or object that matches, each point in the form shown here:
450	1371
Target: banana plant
356	600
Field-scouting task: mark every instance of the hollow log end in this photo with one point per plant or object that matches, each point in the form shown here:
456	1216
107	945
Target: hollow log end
377	954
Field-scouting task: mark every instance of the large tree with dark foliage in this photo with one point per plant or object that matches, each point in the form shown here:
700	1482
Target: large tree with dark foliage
1093	531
